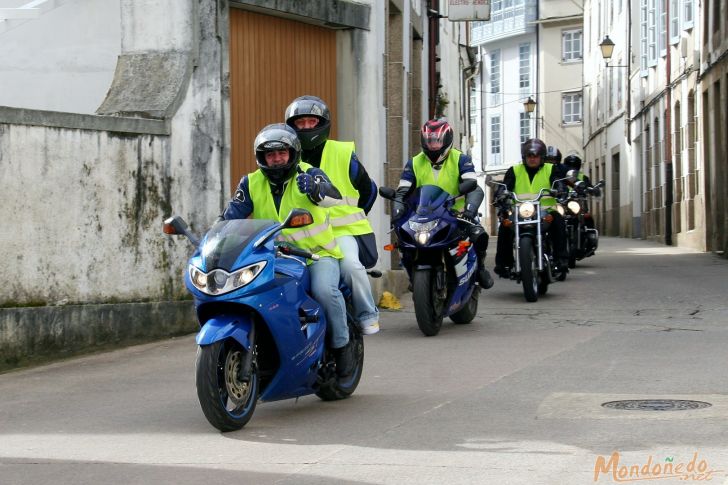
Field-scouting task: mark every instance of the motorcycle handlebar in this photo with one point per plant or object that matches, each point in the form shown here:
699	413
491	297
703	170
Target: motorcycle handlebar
298	252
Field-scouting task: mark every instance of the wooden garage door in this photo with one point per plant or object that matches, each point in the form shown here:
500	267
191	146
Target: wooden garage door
272	61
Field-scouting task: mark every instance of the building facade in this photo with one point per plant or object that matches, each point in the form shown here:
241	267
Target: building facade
506	47
168	127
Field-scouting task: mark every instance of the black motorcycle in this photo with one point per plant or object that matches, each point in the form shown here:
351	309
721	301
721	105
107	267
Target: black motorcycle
582	241
535	267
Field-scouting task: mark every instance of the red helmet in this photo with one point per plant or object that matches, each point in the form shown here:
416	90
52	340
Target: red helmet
436	137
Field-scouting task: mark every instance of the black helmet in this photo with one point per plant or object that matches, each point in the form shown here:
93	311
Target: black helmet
273	137
436	138
572	162
310	106
553	154
533	146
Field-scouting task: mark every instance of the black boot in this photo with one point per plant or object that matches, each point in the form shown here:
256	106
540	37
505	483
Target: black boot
345	359
484	277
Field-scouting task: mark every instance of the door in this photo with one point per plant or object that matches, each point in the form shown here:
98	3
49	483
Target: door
272	61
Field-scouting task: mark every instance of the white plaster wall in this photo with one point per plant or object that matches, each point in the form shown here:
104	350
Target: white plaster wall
82	210
361	114
157	25
557	78
63	60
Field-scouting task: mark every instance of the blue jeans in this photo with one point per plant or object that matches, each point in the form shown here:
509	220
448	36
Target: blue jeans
325	275
355	276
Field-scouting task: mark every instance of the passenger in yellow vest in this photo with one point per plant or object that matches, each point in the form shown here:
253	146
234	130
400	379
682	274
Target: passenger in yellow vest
530	177
270	193
310	117
440	164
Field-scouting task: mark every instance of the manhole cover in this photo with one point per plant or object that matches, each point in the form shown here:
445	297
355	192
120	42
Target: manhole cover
656	405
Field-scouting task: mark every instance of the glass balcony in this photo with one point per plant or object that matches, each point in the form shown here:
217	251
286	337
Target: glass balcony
505	22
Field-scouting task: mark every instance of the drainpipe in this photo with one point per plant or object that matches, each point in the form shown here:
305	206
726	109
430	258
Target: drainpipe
628	124
433	18
668	139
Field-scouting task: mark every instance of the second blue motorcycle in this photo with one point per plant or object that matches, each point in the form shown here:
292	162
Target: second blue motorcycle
440	261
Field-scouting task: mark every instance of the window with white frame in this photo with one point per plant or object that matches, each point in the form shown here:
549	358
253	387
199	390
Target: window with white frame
663	28
495	61
643	37
525	124
495	135
674	21
524	66
571	45
651	33
495	78
571	108
687	14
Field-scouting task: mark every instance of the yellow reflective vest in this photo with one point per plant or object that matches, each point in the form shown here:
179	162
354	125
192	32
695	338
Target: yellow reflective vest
449	178
527	189
317	238
347	218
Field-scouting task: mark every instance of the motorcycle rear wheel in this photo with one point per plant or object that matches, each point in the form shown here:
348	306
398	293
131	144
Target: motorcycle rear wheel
467	313
227	402
529	269
335	387
428	304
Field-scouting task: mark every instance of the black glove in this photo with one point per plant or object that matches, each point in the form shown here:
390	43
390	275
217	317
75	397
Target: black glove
468	216
398	210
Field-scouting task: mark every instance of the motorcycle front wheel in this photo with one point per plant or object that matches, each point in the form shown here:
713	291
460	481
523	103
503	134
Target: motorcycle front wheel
429	303
227	398
529	269
467	312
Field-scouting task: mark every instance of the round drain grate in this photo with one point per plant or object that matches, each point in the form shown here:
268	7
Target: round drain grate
656	405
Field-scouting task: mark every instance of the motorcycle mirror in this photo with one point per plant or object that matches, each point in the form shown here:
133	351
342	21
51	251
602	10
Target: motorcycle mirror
602	183
298	218
387	192
571	175
467	186
174	225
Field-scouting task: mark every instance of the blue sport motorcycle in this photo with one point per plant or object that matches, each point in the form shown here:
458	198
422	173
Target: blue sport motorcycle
440	261
262	336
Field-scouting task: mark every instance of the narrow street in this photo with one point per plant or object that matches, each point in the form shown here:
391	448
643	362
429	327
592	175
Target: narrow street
512	398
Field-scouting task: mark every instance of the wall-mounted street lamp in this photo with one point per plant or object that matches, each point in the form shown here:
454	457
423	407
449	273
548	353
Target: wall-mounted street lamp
607	47
529	106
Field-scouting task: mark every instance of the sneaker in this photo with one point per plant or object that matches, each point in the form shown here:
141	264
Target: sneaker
345	359
370	329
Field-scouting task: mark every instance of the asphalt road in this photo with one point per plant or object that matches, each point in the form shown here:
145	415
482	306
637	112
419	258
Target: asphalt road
513	397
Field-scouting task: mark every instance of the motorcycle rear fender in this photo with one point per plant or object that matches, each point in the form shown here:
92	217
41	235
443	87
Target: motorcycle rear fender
221	327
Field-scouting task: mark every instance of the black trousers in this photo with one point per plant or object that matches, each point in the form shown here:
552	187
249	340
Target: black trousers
504	248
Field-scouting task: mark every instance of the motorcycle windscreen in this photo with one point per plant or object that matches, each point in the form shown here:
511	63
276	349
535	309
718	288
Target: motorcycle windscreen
227	239
431	198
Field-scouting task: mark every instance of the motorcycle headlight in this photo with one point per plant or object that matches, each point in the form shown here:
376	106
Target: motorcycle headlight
219	281
573	206
560	209
422	238
526	210
422	226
